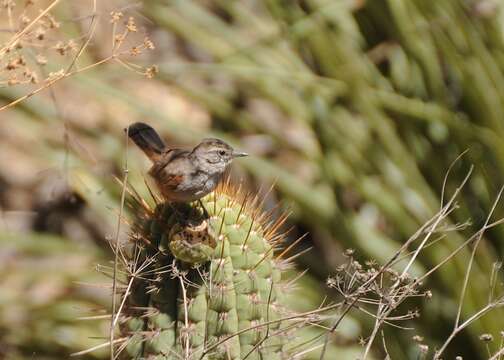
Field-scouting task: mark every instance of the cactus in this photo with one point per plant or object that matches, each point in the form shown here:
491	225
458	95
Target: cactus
206	283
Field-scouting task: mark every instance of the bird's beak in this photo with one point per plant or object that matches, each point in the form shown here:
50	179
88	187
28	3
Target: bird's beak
239	154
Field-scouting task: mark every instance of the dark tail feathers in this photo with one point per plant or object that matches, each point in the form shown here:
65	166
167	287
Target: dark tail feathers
147	139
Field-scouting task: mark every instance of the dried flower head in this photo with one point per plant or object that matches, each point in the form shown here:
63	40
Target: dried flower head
55	75
41	59
418	338
424	349
331	282
151	71
50	22
130	25
40	33
486	337
148	44
13	81
135	50
348	252
115	16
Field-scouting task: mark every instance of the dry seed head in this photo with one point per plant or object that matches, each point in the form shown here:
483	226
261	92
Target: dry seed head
55	75
371	263
8	4
135	50
115	16
60	47
41	59
119	38
13	81
424	349
130	25
418	338
25	20
486	337
148	44
357	265
348	252
51	22
12	65
36	40
362	341
64	48
151	71
40	33
30	75
331	282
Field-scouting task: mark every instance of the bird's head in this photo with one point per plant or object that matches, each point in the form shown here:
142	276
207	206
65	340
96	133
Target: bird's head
215	153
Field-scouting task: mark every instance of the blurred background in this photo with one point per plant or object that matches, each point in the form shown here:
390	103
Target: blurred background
354	110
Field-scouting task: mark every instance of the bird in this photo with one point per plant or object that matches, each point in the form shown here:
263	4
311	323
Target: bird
183	176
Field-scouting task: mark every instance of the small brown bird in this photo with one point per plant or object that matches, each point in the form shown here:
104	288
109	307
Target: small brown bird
183	175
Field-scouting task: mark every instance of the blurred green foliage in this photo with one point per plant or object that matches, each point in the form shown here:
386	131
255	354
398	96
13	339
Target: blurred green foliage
43	297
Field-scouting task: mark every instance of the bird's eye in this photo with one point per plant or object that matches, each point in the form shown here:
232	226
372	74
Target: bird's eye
222	152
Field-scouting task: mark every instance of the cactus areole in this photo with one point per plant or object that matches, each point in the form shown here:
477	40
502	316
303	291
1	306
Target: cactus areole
205	287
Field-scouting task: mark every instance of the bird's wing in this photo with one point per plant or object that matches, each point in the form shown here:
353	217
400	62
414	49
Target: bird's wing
171	158
170	169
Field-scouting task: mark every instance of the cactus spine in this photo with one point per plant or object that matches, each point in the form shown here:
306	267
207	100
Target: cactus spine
205	288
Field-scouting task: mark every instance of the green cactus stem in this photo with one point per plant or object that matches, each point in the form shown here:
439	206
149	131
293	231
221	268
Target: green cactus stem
209	288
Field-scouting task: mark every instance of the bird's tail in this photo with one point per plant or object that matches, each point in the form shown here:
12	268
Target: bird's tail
147	139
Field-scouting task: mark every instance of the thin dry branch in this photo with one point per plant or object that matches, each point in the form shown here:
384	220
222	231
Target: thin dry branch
116	252
356	288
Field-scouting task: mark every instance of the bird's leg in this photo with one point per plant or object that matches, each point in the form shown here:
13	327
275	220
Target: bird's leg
177	213
205	212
